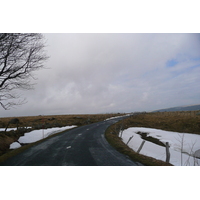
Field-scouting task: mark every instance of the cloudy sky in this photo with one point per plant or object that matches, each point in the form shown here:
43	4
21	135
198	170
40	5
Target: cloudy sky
114	72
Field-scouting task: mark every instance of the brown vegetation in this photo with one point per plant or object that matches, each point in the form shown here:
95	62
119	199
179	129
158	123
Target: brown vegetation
40	122
171	121
184	122
187	121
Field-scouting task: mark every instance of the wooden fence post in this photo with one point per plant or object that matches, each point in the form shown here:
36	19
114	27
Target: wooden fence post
167	152
129	140
138	151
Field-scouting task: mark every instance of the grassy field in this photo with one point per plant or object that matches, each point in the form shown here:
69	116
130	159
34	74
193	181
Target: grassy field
185	122
40	122
55	120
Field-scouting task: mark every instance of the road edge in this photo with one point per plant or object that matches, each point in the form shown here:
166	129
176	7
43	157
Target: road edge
116	142
14	152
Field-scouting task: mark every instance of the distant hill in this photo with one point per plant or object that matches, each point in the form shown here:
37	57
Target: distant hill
180	108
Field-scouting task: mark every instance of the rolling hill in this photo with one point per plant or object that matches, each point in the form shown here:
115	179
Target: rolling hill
180	108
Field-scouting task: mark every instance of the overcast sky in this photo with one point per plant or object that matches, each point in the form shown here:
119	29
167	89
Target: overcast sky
104	73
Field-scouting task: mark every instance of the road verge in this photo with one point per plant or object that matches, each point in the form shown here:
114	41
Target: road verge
115	141
14	152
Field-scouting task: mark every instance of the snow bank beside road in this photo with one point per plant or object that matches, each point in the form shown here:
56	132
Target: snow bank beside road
188	143
36	135
116	117
8	129
15	145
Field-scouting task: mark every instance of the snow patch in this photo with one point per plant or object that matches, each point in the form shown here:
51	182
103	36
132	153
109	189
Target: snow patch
36	135
15	145
116	117
8	129
179	142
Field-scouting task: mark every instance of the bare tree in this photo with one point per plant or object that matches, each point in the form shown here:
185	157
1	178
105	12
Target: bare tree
12	121
20	55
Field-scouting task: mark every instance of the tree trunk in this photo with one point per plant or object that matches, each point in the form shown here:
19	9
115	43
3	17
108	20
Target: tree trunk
7	127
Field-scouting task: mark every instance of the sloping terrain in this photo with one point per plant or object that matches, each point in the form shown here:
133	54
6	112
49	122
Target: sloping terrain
180	108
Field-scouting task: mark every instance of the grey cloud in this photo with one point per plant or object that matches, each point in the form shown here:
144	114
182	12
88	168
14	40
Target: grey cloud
95	73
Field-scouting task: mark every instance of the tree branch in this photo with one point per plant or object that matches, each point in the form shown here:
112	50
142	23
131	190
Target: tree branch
20	55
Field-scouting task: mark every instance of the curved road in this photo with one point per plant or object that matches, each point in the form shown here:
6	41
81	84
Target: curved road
82	146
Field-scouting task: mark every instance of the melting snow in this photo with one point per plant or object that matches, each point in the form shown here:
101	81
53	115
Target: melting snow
186	143
36	135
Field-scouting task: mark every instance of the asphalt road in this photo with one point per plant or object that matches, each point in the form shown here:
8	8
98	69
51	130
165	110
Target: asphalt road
82	146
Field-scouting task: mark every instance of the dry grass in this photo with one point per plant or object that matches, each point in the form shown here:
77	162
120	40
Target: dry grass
187	121
9	153
184	122
38	122
56	120
171	121
117	143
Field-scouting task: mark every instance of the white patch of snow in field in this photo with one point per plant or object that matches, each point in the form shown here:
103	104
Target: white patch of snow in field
112	118
8	129
36	135
15	145
115	117
189	143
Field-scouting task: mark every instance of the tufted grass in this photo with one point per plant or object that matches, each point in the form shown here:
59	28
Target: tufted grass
185	122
